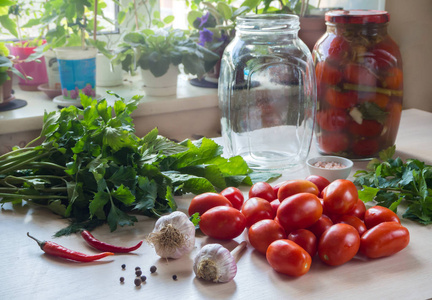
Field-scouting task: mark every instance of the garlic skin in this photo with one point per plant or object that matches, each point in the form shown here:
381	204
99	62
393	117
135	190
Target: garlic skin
173	235
215	263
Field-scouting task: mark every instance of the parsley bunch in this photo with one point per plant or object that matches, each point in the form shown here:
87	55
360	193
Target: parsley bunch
391	182
92	168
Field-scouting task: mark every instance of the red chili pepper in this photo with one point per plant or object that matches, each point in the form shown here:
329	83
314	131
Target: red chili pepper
60	251
95	243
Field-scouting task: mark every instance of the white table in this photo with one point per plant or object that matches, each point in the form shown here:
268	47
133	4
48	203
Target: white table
27	273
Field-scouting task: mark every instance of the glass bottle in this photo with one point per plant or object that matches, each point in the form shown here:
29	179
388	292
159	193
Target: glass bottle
359	84
267	93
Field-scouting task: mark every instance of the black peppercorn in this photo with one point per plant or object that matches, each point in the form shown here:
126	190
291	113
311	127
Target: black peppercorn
121	279
143	278
153	269
137	268
138	273
137	281
123	266
174	277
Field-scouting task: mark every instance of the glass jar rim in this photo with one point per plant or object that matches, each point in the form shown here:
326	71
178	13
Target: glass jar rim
357	16
268	22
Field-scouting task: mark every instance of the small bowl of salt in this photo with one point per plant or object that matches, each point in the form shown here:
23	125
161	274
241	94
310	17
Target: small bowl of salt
330	167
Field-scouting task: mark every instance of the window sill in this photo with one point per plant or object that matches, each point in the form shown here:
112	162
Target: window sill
193	112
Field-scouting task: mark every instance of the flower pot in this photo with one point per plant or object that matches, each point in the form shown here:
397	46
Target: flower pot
213	74
311	29
6	91
77	68
52	70
106	73
165	85
34	69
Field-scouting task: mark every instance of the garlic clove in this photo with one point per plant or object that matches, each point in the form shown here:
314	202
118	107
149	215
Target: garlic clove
216	263
173	235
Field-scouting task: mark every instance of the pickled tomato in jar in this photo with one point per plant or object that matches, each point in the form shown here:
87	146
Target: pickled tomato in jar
359	76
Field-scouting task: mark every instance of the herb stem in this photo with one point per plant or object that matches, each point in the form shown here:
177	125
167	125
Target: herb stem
15	152
30	197
23	163
16	190
364	88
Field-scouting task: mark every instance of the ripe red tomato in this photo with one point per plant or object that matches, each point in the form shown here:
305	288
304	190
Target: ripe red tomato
263	233
359	75
319	181
365	147
385	54
299	211
332	119
340	99
305	239
275	205
292	187
234	195
384	239
358	210
203	202
368	128
338	244
318	228
222	223
256	209
378	214
262	190
338	48
355	222
327	74
288	258
340	196
333	142
277	186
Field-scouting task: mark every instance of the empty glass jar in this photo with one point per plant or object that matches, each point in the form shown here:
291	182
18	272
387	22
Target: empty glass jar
267	93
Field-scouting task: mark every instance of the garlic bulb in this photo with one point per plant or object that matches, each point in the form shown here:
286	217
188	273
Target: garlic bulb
215	263
173	235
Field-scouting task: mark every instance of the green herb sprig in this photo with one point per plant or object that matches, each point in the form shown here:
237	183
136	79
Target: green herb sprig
93	169
391	182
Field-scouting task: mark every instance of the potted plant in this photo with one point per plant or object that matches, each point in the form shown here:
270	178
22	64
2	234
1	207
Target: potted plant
6	60
213	23
158	52
6	70
75	25
34	69
107	73
5	76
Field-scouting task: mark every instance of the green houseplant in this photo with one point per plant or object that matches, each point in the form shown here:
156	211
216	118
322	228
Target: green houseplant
158	50
22	50
7	68
72	27
213	26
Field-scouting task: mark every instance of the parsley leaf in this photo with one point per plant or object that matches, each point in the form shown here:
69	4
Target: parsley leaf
390	182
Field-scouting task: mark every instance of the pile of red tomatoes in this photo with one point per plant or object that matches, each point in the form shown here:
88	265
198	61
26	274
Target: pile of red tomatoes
295	220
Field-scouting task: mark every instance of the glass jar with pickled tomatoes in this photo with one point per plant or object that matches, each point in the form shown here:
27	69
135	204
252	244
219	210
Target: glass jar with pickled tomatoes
359	84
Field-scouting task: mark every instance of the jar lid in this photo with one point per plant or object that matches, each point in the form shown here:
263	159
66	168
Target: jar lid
357	16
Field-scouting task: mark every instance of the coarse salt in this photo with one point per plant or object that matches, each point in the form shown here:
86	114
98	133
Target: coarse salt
329	165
